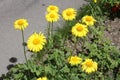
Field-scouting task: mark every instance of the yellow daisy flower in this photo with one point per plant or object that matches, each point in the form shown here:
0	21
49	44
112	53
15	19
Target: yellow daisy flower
88	20
39	78
52	8
74	60
89	66
36	42
52	17
95	1
69	14
79	30
42	78
20	24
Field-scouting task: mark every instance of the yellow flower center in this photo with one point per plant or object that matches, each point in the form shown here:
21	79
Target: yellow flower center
80	28
52	8
20	22
95	1
88	19
74	59
68	13
89	64
36	41
52	16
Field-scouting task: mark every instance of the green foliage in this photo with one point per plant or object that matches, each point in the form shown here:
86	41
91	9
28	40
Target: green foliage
52	60
108	8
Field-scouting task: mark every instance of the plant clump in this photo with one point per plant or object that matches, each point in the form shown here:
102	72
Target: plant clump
77	51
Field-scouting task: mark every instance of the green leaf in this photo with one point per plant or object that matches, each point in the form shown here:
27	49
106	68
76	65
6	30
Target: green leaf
65	69
50	70
18	76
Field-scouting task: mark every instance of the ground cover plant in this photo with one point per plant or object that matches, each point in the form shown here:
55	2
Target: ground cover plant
76	51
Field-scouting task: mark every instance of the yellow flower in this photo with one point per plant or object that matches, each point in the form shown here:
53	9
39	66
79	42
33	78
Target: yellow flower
42	78
95	1
79	30
74	60
52	8
89	66
39	78
69	14
52	17
36	42
20	24
88	20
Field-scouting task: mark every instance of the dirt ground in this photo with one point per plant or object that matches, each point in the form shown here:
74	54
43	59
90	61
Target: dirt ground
113	31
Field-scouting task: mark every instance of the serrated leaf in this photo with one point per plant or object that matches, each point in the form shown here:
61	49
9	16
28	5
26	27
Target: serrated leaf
65	69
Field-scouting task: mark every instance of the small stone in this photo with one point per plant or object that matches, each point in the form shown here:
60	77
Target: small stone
10	66
13	59
43	4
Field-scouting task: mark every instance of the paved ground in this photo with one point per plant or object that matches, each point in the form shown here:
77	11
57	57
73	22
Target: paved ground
34	12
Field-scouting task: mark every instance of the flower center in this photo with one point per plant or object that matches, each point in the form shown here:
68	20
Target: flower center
80	28
89	64
88	19
69	13
36	41
74	59
95	1
52	16
52	8
20	22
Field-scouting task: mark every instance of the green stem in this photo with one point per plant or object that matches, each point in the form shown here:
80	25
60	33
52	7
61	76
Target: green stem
76	42
25	52
24	46
49	30
84	39
52	28
75	45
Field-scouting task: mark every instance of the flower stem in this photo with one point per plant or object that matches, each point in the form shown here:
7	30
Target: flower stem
52	28
25	52
49	30
75	44
24	46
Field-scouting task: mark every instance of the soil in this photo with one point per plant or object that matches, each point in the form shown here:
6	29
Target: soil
113	31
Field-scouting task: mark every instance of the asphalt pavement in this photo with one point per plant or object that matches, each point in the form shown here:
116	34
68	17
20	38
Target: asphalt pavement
32	10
